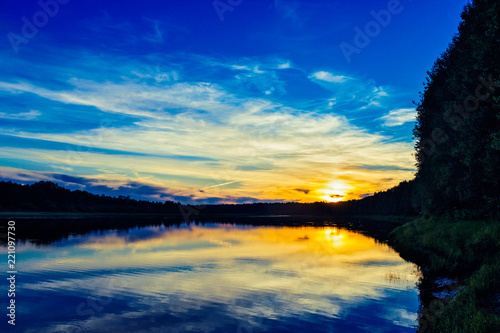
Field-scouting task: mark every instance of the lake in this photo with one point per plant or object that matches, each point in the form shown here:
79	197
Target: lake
215	277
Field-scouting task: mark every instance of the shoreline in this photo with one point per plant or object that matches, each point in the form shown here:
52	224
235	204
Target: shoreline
460	263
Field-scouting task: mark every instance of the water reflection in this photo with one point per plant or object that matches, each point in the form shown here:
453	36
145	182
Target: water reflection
217	278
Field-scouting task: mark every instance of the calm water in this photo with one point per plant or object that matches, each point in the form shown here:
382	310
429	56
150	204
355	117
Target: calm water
215	278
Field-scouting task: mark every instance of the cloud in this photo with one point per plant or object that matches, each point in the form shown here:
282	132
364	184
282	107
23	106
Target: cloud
219	185
137	189
354	94
384	167
33	114
71	179
399	117
329	77
140	189
260	147
157	36
285	65
239	67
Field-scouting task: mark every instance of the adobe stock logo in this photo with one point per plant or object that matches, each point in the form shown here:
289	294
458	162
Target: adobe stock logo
221	7
30	28
372	29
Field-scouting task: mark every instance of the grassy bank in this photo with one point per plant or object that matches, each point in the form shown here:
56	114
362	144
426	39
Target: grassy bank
466	250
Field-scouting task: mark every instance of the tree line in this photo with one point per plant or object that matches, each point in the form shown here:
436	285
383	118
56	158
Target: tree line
50	197
46	196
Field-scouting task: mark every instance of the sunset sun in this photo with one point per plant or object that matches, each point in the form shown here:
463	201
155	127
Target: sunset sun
335	196
336	192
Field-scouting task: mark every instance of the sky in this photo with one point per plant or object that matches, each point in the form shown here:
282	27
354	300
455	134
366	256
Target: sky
225	101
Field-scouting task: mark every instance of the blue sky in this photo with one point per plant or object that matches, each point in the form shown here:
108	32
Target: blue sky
216	101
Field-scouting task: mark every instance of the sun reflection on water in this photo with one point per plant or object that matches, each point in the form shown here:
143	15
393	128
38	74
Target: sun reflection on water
325	271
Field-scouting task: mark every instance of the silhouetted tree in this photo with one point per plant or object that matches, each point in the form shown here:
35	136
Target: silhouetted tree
458	129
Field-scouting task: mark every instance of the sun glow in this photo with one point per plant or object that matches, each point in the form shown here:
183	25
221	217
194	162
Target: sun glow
332	197
333	234
336	192
335	238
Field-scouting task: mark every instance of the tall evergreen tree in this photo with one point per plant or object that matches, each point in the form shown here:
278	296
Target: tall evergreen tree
458	130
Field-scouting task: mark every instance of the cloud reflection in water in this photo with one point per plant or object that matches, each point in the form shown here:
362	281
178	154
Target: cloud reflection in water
221	277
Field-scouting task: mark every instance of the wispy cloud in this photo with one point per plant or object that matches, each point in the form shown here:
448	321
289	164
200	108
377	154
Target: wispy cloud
329	77
33	114
162	113
285	65
399	117
157	35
